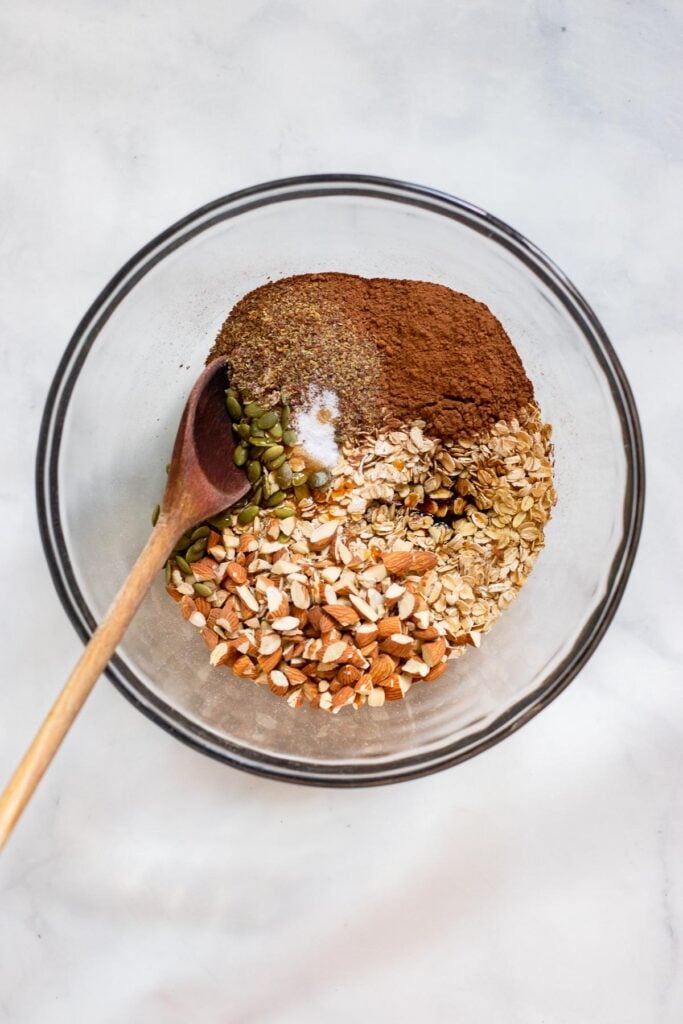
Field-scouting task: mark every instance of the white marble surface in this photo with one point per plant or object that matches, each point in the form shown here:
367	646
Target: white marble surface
541	883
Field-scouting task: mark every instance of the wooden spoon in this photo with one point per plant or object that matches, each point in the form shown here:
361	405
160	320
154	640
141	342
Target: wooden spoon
202	481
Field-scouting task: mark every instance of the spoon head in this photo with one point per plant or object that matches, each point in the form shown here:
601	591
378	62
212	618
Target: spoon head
203	478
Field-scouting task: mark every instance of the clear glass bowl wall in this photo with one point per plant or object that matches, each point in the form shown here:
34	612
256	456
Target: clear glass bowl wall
110	423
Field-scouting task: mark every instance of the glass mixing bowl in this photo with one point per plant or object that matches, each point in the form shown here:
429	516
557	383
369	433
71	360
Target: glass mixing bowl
111	417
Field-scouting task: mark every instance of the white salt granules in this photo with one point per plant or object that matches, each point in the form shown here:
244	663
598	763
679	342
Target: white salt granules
315	426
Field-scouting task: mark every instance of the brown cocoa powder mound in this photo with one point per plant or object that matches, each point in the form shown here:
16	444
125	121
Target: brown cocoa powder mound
445	358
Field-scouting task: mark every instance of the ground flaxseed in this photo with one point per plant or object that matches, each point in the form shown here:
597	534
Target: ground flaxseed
292	337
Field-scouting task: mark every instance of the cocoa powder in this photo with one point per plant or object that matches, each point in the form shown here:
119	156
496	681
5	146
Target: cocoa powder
444	357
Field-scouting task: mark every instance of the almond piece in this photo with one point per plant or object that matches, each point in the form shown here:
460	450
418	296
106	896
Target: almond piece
399	645
363	608
366	633
296	698
385	627
202	605
348	675
186	607
240	645
313	650
210	638
369	651
285	624
437	671
204	569
220	654
268	662
301	597
397	562
247	598
433	653
270	642
174	594
342	614
404	563
302	615
345	696
227	619
334	652
415	667
311	693
197	619
320	620
322	535
406	605
364	684
287	526
392	688
381	668
376	697
431	633
393	592
356	658
244	667
295	676
277	682
273	600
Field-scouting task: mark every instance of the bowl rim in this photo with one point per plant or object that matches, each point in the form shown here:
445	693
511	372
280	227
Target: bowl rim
63	383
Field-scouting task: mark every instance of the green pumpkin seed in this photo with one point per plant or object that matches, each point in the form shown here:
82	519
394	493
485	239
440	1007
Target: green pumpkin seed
203	589
284	512
299	478
278	462
267	419
285	416
182	564
256	495
260	442
253	410
275	432
240	455
253	471
168	466
276	499
201	531
222	522
247	515
155	514
244	430
167	572
289	438
284	473
274	452
234	408
301	492
266	489
319	479
196	550
182	544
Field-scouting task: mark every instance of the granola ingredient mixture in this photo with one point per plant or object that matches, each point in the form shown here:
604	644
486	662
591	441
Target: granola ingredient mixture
401	479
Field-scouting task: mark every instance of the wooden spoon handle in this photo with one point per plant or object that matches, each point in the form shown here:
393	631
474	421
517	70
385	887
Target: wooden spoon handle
90	666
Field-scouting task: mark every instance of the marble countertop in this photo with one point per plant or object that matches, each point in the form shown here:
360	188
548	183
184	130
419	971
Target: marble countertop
540	883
